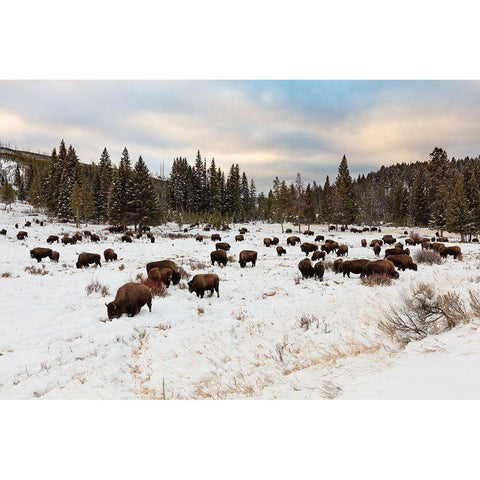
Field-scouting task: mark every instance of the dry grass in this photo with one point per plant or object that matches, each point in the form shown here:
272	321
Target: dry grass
6	275
183	273
232	259
158	289
121	267
306	321
200	310
197	265
96	287
297	279
428	256
378	279
36	270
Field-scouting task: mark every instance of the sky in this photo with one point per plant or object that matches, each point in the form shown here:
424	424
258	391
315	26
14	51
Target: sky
270	128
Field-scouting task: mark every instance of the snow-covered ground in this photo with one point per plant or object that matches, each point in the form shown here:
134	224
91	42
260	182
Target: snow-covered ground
55	343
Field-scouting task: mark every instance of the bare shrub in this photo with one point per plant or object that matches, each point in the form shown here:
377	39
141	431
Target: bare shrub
183	273
428	256
200	310
197	265
424	312
158	289
36	270
139	278
474	302
232	259
182	286
121	267
328	265
6	275
380	279
415	236
306	321
297	279
96	287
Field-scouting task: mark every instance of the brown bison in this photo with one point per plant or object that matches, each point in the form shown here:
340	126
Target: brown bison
222	246
53	238
332	227
55	256
358	267
267	242
308	232
319	238
281	251
87	233
329	247
377	249
381	267
206	228
85	259
3	231
66	240
364	242
402	262
130	299
410	241
176	276
319	270
126	238
318	255
219	256
38	253
306	268
94	237
307	248
21	235
202	282
275	241
116	229
78	236
109	255
373	242
338	265
216	237
342	250
388	239
160	275
396	251
293	241
442	239
243	230
247	256
288	230
199	238
28	224
455	252
239	238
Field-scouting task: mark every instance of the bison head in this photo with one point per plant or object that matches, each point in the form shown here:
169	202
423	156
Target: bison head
113	311
191	286
31	253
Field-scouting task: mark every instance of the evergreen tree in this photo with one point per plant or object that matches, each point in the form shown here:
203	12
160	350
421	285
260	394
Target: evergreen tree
35	196
309	215
345	194
439	210
102	184
19	184
419	203
76	201
458	214
326	209
7	194
121	193
145	205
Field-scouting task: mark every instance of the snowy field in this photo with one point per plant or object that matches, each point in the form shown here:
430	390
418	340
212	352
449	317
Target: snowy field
249	343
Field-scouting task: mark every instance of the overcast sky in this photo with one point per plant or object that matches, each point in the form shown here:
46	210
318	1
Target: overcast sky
269	127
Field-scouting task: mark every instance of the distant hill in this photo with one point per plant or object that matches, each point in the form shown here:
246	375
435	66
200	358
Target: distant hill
21	155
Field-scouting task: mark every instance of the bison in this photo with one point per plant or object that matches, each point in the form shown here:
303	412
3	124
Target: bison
306	268
202	282
308	248
85	259
342	250
242	231
373	242
317	255
402	262
319	238
364	242
94	237
109	255
410	241
130	298
126	238
28	224
21	235
355	266
308	232
216	237
338	265
442	239
293	241
267	242
176	276
78	236
377	249
219	256
222	246
239	238
319	270
275	241
332	227
160	275
3	231
388	239
199	238
66	240
53	238
55	257
87	233
381	267
396	251
281	251
455	252
247	256
38	253
288	230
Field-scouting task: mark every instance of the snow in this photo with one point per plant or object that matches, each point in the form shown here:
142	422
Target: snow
248	343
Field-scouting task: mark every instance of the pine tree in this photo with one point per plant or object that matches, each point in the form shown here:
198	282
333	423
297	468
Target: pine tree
34	196
145	205
458	215
439	210
76	201
326	209
298	199
309	214
7	194
419	203
19	184
345	194
102	184
121	192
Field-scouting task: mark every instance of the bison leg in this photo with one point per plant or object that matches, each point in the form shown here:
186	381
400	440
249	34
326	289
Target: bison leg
149	303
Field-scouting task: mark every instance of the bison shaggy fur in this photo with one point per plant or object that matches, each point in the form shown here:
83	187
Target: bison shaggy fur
38	253
166	264
85	259
358	267
402	262
247	256
219	256
281	251
319	270
307	248
306	268
130	298
202	282
381	267
318	255
109	255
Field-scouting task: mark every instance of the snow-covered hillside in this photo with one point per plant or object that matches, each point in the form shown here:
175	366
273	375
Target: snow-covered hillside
249	343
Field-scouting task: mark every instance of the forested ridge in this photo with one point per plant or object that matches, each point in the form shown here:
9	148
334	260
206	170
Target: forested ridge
439	192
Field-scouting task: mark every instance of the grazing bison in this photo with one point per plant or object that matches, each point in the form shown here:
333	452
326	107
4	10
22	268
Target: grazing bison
329	247
126	238
38	253
28	224
358	267
342	250
78	236
206	228
306	268
53	238
267	242
239	238
21	235
94	237
308	232
438	247
377	249
3	231
338	265
442	239
202	282
243	230
219	256
247	256
87	233
160	275
402	262
410	241
319	238
222	246
373	242
130	299
55	257
216	237
166	264
288	230
388	239
319	270
85	259
308	248
364	242
365	229
199	238
275	241
318	255
373	229
280	251
426	245
109	255
152	239
396	251
116	229
332	227
293	241
455	252
381	267
66	240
